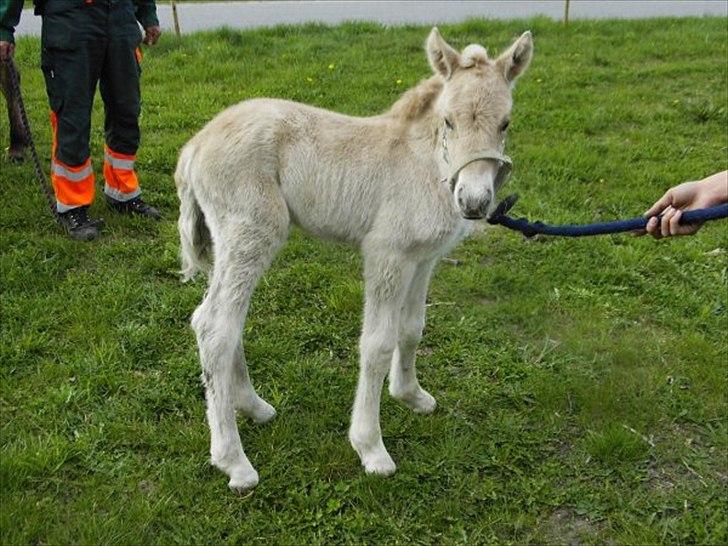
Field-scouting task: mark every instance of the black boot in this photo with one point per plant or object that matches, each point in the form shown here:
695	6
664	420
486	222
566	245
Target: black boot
133	206
79	226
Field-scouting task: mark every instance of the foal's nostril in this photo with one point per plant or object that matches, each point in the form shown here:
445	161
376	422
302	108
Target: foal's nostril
464	205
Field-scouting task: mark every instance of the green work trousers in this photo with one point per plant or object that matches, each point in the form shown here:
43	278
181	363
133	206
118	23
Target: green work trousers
83	45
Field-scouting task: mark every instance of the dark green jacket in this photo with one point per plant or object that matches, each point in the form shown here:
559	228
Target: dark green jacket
146	13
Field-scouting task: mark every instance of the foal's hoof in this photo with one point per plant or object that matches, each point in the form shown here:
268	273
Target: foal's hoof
264	412
424	403
419	402
259	411
380	464
243	482
375	460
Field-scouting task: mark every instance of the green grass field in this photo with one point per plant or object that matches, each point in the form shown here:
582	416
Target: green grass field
581	383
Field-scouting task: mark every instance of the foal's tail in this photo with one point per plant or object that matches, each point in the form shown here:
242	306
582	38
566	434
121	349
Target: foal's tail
195	240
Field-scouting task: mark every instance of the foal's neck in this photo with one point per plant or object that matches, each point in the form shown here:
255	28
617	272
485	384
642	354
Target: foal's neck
417	101
415	108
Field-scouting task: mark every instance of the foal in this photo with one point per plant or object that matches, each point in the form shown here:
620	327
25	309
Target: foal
404	186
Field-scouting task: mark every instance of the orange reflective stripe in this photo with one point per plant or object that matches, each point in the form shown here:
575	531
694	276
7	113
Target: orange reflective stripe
125	182
54	129
121	179
74	186
117	155
73	194
74	174
138	55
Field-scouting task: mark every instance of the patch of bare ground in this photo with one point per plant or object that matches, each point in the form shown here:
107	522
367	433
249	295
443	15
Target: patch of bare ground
667	476
565	526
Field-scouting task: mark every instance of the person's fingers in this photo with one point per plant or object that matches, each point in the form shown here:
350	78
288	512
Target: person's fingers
682	229
676	228
660	204
674	223
652	227
151	35
665	222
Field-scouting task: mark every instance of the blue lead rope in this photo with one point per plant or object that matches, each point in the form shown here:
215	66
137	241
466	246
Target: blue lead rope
530	229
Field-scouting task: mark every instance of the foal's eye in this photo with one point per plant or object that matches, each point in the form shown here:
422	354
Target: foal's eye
449	124
504	125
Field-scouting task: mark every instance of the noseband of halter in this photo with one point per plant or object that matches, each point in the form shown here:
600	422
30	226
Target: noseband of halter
504	167
504	163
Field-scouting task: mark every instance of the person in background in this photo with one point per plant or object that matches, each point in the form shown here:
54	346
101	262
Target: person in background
700	194
85	42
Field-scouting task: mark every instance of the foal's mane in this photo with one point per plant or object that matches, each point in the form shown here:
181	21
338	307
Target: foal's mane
418	100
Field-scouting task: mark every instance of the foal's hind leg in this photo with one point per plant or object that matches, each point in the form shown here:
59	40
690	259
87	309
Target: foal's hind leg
242	252
246	399
403	384
386	280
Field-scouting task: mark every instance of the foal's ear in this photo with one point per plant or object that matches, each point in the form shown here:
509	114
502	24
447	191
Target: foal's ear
515	60
443	58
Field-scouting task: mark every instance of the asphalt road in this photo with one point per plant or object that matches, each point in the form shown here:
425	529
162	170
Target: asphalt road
211	15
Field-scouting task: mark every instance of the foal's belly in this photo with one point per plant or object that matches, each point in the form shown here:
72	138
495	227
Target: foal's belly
329	207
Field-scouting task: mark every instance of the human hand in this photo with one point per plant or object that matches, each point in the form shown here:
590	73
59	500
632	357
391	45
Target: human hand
686	196
6	50
152	34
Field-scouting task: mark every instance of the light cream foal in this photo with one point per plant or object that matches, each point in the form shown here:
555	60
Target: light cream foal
404	186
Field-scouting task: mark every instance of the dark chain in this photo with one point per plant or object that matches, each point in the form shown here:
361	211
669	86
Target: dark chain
39	174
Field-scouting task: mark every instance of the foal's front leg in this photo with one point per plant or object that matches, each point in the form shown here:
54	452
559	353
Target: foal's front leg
386	281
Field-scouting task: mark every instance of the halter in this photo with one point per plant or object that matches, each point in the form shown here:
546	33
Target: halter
504	163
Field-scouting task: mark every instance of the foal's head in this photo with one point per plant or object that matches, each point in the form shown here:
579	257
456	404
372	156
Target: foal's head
473	113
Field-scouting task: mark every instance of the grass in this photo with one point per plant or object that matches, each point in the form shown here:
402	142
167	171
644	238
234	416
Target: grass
581	383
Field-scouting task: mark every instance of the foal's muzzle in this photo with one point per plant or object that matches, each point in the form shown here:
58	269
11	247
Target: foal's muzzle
504	165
